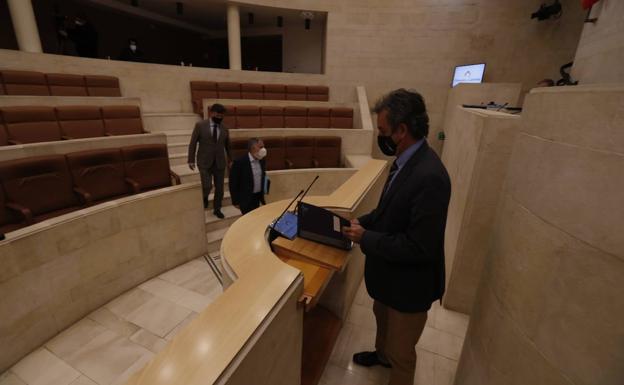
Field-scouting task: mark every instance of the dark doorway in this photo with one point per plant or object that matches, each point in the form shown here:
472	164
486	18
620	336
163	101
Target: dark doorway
263	53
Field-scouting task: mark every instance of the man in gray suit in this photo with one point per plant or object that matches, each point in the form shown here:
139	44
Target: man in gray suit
213	154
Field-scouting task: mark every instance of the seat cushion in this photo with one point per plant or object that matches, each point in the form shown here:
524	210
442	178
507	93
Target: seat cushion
99	172
272	117
299	151
66	85
276	153
251	91
248	117
101	85
274	92
80	121
229	90
318	117
229	118
148	165
318	93
122	120
31	124
341	117
296	92
238	147
327	151
4	137
25	83
202	90
295	117
42	184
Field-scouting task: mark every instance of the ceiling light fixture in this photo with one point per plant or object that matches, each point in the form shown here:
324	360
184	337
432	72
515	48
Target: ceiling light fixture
250	17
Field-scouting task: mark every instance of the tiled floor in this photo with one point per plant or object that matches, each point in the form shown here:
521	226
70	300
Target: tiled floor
113	342
437	351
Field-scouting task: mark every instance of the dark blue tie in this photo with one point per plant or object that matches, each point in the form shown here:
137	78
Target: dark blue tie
393	170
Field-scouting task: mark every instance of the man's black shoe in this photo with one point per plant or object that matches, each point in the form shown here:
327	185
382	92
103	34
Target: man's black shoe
218	214
369	359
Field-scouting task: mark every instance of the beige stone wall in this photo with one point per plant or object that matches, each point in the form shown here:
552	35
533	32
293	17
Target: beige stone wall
56	272
476	155
285	184
600	54
549	307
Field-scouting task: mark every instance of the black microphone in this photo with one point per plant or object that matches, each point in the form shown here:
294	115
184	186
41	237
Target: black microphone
306	191
287	207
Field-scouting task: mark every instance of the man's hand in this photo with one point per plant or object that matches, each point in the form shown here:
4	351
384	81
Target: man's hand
354	232
192	166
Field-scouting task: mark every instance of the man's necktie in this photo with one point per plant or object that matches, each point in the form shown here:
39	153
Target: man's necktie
393	171
215	129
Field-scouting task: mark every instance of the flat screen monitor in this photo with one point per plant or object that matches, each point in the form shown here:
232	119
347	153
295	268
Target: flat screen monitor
472	73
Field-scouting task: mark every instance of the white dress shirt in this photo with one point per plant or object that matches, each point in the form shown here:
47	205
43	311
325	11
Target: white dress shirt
256	169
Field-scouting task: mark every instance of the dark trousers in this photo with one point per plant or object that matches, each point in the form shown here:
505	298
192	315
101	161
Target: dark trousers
252	204
207	175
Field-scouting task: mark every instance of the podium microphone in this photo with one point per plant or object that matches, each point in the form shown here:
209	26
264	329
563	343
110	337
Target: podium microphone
305	193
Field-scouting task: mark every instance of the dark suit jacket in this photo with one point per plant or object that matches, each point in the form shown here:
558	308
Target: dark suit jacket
241	181
209	152
404	237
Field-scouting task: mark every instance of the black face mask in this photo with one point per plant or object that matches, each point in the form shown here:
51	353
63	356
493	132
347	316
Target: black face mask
217	120
386	145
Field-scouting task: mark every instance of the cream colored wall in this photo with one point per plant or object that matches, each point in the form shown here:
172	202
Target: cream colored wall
57	271
476	155
549	307
285	184
600	54
303	49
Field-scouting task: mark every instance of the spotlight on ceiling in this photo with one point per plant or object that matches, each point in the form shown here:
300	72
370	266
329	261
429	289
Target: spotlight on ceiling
307	16
134	3
179	8
307	23
280	21
250	17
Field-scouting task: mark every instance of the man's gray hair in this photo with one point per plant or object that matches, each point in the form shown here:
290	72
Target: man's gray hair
407	107
251	142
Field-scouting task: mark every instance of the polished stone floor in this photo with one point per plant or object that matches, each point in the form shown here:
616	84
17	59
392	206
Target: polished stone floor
437	351
113	342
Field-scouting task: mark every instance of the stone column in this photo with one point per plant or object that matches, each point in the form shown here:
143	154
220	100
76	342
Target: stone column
25	25
234	36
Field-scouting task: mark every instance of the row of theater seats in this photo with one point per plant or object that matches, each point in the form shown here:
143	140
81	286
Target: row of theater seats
38	188
228	90
288	117
295	152
40	84
33	124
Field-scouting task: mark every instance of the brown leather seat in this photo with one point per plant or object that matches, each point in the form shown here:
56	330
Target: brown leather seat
251	91
296	92
274	92
295	117
229	90
327	151
202	90
98	175
80	121
9	219
99	85
25	83
341	117
66	85
318	117
248	116
229	118
318	93
238	147
299	152
122	120
4	137
272	117
2	89
38	187
147	166
31	124
276	153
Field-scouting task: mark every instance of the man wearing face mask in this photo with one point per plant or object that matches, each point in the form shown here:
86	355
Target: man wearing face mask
247	177
131	52
403	237
84	36
213	140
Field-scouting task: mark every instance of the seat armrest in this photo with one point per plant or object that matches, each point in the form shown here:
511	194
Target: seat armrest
136	188
85	197
315	163
146	132
24	211
12	141
108	134
65	137
175	177
289	164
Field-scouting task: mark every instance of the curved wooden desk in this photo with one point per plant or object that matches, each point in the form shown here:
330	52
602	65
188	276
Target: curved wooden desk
257	315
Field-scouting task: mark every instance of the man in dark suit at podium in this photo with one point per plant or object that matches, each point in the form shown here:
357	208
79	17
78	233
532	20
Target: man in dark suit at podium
213	140
248	176
403	237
